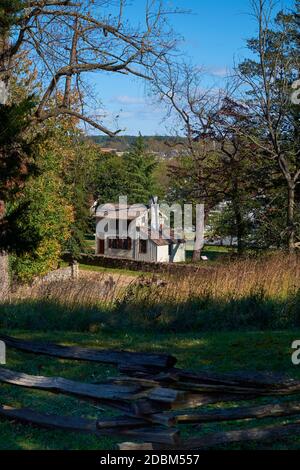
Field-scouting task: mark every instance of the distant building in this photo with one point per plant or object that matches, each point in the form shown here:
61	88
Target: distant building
108	150
152	241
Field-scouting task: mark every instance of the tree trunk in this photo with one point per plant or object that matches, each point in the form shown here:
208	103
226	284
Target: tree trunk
239	228
291	217
4	259
239	220
199	238
4	63
4	264
4	276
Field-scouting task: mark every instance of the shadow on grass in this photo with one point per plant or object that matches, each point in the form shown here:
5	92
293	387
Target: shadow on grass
254	312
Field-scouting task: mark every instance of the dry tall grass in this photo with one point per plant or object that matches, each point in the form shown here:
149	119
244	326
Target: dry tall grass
250	293
275	276
86	291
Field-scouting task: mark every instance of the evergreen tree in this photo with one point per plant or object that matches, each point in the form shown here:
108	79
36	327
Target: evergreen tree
132	175
110	178
17	164
17	147
140	168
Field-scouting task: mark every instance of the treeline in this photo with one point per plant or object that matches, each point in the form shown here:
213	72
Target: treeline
129	140
161	144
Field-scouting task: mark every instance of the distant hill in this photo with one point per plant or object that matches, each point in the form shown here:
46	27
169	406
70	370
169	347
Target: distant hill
157	143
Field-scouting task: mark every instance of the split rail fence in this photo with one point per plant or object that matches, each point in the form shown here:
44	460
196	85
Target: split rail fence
153	399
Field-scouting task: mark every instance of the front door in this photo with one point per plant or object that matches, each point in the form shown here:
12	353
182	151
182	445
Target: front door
101	247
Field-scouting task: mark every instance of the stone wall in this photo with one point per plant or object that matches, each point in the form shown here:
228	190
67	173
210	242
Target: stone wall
8	290
4	276
133	265
61	274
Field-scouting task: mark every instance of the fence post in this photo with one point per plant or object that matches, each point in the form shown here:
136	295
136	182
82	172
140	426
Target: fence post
75	269
4	276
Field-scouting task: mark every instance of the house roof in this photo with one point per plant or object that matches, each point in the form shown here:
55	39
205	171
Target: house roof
164	239
121	211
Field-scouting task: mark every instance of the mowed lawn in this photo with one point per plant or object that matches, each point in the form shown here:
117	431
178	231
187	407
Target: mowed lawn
223	352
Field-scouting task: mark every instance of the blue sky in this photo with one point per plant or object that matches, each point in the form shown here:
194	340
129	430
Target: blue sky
214	37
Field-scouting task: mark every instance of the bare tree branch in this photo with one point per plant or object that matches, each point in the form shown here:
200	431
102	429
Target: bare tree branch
69	39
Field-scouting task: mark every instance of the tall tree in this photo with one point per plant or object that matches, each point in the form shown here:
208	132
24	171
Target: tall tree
180	88
79	156
69	38
140	168
42	218
268	81
132	175
216	161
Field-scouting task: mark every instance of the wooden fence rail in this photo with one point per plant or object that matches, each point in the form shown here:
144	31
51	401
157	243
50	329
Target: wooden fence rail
158	361
154	396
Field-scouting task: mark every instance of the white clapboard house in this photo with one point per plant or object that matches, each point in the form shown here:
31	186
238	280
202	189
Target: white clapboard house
152	241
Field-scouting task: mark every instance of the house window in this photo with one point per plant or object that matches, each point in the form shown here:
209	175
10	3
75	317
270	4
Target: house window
120	244
126	244
143	247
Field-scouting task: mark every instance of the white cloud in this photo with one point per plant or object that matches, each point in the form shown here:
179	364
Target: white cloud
126	115
219	72
129	100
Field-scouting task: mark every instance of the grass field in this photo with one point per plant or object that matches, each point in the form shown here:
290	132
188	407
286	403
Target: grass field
213	253
216	352
237	316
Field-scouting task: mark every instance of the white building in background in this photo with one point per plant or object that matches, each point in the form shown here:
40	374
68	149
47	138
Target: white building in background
161	248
